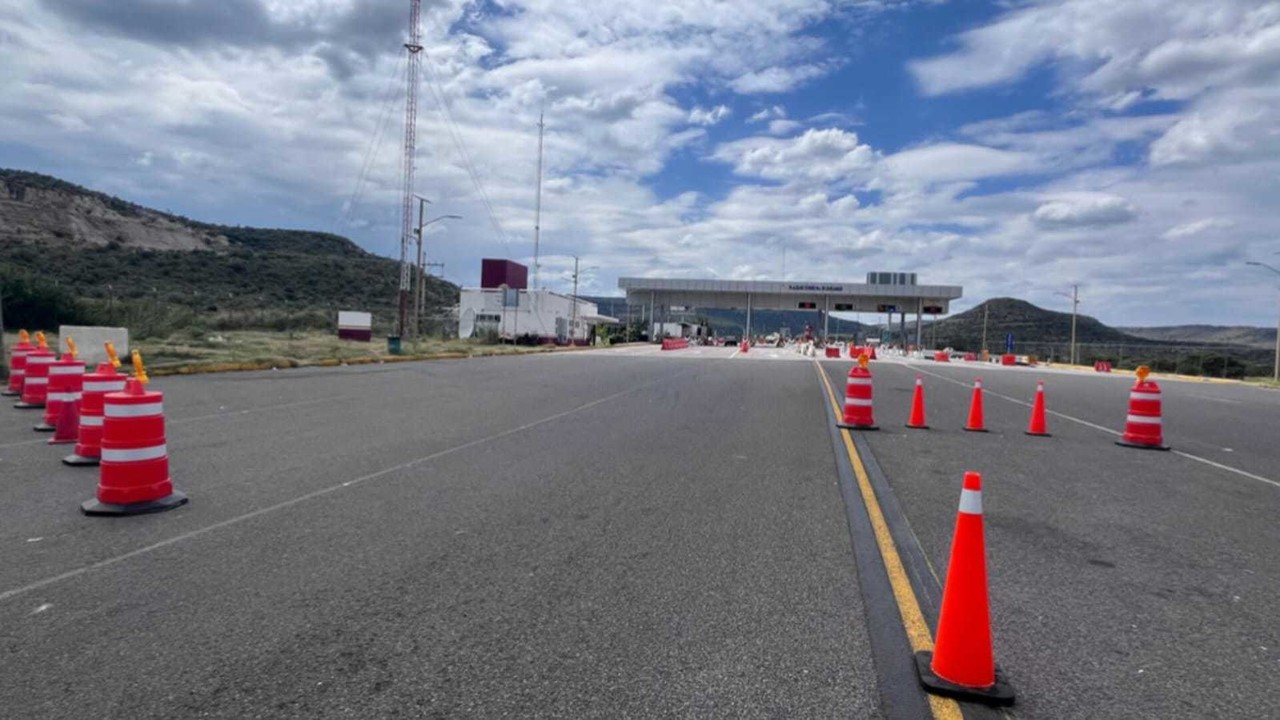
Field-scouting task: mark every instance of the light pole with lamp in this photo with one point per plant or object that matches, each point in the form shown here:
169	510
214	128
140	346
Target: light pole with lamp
419	299
573	323
1075	306
1276	375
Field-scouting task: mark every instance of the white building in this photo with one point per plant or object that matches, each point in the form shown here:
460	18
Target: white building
511	314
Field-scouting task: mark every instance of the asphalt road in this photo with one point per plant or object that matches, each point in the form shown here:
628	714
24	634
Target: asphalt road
1124	583
631	533
546	536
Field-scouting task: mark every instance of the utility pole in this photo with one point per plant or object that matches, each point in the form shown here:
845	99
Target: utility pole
1075	305
986	311
573	324
1276	374
537	209
414	48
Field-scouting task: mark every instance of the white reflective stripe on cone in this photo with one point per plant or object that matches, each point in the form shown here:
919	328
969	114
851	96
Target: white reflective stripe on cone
39	359
860	402
137	455
971	502
858	381
37	381
1143	420
1135	395
104	386
90	421
131	411
66	370
16	373
64	396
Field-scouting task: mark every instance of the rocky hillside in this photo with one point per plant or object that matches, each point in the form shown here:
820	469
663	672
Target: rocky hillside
105	252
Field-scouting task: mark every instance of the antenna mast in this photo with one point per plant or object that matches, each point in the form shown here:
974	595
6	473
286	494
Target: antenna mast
414	46
537	209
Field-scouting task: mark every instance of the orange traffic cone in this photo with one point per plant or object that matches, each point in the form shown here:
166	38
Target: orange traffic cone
962	664
976	423
1037	425
67	429
917	406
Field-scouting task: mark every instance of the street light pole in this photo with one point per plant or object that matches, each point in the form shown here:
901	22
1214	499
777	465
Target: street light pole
1276	374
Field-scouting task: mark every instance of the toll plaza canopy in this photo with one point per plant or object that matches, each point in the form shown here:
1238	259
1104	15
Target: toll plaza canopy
887	293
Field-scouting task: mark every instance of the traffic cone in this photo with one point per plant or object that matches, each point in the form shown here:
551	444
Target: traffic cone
962	664
1144	425
859	405
917	406
976	423
18	365
134	475
1037	425
97	384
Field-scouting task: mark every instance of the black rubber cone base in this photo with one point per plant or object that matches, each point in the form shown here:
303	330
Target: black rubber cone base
9	393
168	502
1028	432
845	426
44	427
1123	443
976	430
999	694
80	460
917	427
28	406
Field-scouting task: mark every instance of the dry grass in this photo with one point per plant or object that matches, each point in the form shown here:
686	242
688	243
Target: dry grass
192	352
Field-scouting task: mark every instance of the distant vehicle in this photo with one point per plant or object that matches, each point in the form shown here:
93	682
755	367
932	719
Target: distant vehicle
772	339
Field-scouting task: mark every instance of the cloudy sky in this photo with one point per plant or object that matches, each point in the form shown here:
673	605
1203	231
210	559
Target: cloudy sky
1017	147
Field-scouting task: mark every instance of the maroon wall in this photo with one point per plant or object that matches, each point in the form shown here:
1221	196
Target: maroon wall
495	272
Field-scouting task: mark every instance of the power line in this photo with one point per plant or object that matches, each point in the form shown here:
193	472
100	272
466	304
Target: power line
437	92
375	143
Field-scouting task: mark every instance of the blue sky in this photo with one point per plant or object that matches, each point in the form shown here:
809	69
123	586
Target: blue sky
1015	148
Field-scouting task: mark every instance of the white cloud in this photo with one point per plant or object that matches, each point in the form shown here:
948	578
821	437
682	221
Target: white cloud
945	162
783	127
776	79
700	116
769	113
1195	228
1083	210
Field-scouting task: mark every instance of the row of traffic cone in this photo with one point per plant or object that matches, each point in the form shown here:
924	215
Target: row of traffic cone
115	423
859	412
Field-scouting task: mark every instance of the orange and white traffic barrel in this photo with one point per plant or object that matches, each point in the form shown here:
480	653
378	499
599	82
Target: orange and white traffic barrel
18	364
134	471
66	378
1144	424
859	400
97	384
35	384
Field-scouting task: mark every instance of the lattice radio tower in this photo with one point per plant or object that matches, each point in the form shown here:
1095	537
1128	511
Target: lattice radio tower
414	48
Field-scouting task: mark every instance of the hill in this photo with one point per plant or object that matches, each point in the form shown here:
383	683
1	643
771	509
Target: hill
1029	325
112	256
1208	334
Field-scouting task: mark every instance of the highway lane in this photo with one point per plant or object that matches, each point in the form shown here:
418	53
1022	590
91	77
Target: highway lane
562	537
1124	583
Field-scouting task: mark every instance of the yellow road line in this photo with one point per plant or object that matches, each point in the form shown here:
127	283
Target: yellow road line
908	606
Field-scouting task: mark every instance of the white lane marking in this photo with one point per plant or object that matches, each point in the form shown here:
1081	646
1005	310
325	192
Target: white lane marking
1214	399
736	353
1228	468
1086	423
108	562
34	539
41	609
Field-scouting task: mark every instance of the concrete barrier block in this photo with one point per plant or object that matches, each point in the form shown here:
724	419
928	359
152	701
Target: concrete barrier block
90	341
